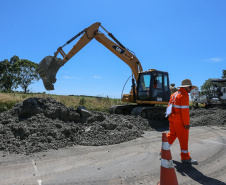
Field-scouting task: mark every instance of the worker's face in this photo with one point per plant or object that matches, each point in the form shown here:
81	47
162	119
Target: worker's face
188	89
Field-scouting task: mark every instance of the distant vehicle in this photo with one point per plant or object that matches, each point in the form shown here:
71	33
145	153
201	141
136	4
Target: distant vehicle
215	96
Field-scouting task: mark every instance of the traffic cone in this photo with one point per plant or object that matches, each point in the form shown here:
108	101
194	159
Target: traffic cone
167	172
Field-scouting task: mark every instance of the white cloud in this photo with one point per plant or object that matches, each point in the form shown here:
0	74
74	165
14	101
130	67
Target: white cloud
97	77
71	77
216	59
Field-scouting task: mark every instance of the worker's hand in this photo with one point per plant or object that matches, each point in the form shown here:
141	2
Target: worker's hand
187	127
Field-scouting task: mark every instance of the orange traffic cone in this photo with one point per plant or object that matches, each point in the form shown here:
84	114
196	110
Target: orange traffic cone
167	172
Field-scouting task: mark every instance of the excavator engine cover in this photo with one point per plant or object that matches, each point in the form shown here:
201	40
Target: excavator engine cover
47	70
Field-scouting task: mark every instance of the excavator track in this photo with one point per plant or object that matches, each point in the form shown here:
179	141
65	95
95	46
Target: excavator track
154	114
149	112
121	109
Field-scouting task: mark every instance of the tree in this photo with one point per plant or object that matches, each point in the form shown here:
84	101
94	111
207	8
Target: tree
206	87
224	74
9	71
28	73
16	73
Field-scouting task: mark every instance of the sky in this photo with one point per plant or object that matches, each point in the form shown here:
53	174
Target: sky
186	38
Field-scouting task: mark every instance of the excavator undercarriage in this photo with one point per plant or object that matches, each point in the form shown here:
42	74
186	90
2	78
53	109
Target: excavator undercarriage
149	112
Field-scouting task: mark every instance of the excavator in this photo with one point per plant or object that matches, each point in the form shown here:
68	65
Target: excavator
149	88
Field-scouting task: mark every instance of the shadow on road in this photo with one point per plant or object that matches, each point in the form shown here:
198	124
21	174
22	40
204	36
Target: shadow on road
193	173
159	125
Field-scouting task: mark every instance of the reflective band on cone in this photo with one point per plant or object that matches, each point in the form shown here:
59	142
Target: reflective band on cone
165	146
167	163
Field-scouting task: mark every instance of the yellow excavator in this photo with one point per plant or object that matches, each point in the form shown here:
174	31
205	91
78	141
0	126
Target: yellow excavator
149	88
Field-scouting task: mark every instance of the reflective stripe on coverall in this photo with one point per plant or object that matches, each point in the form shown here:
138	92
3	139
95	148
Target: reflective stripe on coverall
179	118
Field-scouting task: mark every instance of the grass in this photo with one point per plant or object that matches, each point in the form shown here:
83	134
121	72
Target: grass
8	100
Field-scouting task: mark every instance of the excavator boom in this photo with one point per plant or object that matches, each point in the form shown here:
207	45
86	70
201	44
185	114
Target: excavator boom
49	66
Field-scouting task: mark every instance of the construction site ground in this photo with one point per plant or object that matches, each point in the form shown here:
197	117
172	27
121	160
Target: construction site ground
43	142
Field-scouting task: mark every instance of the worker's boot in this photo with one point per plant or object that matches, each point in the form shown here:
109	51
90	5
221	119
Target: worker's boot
190	161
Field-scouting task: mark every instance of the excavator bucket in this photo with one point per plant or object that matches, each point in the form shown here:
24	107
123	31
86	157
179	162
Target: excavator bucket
47	70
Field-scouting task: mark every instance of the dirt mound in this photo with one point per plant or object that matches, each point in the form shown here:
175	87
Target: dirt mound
208	117
39	124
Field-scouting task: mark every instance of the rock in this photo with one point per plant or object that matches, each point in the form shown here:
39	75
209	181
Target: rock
110	126
83	112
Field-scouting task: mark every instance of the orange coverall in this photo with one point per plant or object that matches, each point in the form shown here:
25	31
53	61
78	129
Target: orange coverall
179	118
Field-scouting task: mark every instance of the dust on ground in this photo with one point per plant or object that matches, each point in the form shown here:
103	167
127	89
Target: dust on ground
40	124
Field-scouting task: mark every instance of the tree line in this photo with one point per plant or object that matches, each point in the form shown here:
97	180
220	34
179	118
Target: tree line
16	73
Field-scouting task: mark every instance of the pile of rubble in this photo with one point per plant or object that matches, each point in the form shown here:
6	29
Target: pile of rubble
40	124
208	117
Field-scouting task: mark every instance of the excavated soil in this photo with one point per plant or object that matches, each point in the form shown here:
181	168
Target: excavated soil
40	124
208	117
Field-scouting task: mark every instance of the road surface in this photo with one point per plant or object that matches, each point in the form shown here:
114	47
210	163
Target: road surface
133	162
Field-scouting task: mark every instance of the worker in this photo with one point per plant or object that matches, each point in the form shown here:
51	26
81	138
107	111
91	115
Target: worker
179	119
155	80
155	83
173	89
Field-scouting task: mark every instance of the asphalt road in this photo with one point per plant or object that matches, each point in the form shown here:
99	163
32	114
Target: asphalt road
133	162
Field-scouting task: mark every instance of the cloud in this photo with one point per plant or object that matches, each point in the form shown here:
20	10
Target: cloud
216	59
71	77
97	77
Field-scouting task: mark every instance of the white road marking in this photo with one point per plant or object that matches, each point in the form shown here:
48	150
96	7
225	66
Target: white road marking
214	142
36	171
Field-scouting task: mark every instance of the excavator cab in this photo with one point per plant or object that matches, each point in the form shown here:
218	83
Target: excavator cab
153	85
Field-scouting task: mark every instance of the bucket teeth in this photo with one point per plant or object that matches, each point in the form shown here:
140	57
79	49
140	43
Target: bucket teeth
47	70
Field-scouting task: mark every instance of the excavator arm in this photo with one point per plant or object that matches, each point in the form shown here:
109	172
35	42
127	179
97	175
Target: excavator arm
130	59
49	66
88	35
